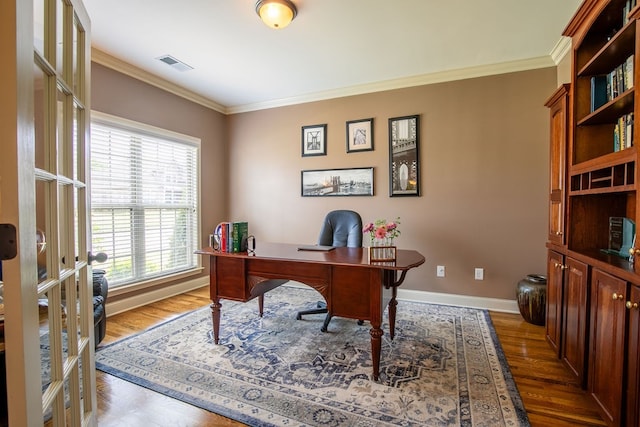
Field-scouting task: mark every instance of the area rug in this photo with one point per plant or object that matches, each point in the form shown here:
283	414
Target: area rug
445	366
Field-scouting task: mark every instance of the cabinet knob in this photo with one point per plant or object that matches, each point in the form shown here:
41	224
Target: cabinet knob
558	233
617	296
634	251
631	305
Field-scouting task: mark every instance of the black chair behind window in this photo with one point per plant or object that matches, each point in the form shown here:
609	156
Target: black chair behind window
340	228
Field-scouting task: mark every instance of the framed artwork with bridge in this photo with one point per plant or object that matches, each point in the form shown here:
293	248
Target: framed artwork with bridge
314	140
337	182
404	156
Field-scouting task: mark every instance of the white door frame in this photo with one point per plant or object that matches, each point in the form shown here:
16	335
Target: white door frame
18	207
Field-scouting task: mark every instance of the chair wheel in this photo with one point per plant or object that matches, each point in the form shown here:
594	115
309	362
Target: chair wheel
323	329
360	322
299	317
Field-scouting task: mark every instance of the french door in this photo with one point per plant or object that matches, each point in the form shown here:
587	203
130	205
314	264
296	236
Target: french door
47	286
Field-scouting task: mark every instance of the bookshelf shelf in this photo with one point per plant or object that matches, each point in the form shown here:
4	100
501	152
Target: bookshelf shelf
611	111
615	51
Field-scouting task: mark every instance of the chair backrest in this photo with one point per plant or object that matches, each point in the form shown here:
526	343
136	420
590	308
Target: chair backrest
341	228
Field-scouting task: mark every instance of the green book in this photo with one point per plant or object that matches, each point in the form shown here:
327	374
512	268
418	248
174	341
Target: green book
235	244
241	233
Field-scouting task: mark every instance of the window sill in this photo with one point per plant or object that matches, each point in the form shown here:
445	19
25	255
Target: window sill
131	288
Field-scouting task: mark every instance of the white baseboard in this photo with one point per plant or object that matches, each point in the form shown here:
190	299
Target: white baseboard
145	298
493	304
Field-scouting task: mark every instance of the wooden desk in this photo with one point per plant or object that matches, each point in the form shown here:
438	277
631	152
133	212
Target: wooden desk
351	286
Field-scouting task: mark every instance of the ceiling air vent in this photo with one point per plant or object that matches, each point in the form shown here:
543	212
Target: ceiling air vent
174	63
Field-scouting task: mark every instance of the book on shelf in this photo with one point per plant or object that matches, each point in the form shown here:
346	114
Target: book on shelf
628	67
598	92
619	80
623	132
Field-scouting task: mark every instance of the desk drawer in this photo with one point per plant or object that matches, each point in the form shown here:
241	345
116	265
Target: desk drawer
228	278
310	273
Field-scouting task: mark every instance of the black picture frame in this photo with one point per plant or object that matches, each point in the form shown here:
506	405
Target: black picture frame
360	135
314	140
336	182
404	156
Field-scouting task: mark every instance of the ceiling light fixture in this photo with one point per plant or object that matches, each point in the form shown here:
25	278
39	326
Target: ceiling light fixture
276	13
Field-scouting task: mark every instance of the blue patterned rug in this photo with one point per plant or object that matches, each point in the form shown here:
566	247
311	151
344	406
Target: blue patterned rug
445	366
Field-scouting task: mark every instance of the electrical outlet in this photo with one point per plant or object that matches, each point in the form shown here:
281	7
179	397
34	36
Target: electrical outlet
479	274
440	271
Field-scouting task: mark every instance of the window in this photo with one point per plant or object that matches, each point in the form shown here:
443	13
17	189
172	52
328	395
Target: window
144	199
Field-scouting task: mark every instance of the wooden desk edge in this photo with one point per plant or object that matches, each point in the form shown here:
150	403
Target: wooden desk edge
383	265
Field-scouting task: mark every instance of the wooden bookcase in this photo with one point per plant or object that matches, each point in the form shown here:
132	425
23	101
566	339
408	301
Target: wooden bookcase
602	180
595	296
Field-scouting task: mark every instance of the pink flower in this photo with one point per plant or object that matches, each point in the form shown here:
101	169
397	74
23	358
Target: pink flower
368	228
382	229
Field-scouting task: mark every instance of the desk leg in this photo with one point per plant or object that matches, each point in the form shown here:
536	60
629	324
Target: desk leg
215	316
390	282
376	344
392	315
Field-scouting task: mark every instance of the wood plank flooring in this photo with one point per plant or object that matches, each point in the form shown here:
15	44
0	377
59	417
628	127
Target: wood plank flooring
550	397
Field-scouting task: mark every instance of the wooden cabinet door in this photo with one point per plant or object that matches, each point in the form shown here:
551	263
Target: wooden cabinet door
553	323
633	358
574	318
558	107
607	355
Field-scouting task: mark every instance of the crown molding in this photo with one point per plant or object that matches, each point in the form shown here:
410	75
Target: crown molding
561	49
107	60
420	80
116	64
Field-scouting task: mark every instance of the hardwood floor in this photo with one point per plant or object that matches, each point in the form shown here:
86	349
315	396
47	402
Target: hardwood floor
550	397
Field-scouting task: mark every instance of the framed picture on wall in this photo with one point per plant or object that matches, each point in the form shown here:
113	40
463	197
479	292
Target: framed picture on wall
404	156
314	140
337	182
360	135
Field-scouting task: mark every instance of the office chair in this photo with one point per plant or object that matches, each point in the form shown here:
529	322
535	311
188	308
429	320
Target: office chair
340	228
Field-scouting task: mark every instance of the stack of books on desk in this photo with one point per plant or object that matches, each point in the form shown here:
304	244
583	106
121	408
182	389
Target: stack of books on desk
232	236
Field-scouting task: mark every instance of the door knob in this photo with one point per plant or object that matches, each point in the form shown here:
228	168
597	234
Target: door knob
99	257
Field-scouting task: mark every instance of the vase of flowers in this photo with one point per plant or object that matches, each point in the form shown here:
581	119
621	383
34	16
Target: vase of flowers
382	234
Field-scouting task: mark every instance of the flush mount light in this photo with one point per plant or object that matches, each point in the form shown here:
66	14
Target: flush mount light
276	13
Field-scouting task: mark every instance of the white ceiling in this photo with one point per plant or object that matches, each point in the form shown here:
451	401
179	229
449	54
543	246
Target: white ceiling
332	48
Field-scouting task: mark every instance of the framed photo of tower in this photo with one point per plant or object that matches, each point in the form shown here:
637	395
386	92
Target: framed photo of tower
314	140
404	156
359	135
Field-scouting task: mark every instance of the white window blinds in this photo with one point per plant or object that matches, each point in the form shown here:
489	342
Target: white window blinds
144	200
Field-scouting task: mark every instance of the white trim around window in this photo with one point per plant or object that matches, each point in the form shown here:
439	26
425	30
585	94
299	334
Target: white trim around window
145	202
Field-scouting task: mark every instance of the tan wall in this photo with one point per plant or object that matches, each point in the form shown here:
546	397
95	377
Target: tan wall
484	166
119	95
564	69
